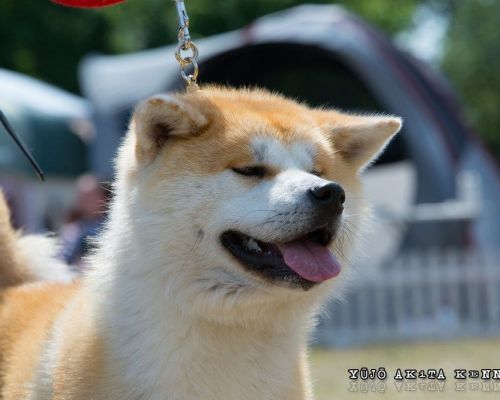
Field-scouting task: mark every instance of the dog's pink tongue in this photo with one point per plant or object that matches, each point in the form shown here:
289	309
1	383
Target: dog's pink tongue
310	260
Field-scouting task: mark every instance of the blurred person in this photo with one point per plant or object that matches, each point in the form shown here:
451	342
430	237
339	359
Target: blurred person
83	220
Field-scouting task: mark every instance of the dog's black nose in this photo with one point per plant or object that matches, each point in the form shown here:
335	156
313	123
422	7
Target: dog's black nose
331	196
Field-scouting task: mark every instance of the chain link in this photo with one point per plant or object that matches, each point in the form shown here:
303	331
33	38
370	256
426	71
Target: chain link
186	52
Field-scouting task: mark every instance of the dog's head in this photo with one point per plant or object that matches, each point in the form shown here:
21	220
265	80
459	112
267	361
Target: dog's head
241	198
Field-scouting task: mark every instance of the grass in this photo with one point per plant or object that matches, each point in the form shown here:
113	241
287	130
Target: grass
331	379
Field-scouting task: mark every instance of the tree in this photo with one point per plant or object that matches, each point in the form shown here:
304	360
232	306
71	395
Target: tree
472	62
47	41
143	24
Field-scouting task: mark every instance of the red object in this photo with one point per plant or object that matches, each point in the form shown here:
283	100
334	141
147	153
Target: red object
88	3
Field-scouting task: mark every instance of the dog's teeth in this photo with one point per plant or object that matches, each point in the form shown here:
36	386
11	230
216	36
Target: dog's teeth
251	244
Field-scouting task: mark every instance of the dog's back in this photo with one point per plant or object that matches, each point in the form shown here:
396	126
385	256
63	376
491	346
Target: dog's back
28	306
12	271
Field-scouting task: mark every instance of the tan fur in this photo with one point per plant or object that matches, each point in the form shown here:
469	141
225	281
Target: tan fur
12	270
26	315
238	339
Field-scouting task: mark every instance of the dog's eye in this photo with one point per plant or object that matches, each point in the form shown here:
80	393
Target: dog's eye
255	170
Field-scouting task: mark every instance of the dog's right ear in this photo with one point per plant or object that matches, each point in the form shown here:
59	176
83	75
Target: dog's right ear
159	118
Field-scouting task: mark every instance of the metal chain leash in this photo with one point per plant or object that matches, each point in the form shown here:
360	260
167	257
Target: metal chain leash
186	51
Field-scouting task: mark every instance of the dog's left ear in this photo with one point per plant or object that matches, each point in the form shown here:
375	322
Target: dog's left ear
161	117
359	139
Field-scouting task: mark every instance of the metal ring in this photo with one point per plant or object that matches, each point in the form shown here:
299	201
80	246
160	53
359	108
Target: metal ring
186	47
191	78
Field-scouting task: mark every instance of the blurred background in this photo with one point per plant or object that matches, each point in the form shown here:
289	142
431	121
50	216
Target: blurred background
427	289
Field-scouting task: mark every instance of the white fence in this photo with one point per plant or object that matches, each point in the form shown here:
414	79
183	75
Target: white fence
431	294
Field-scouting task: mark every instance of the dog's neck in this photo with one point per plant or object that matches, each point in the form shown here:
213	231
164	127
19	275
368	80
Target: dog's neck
161	351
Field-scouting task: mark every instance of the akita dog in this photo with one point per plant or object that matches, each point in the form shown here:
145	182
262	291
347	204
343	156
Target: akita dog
234	212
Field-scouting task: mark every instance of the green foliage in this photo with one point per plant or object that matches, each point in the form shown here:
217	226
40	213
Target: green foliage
472	61
47	41
143	24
